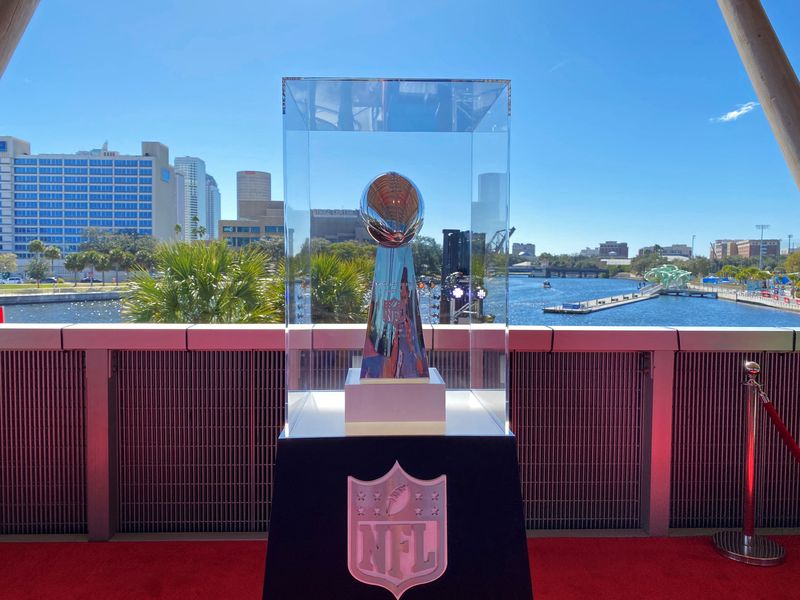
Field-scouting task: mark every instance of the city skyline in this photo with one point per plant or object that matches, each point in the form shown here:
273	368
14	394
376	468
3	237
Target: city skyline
618	133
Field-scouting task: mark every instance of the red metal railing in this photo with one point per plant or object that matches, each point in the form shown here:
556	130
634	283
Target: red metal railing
173	428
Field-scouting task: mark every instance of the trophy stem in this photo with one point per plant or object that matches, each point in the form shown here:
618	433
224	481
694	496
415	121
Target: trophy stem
394	347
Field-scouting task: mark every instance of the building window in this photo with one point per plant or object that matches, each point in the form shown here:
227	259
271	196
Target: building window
18	178
77	162
50	161
165	175
3	147
25	161
145	163
75	171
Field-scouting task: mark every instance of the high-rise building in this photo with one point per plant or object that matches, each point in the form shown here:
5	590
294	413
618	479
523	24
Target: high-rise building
54	197
258	215
252	186
194	198
214	207
180	205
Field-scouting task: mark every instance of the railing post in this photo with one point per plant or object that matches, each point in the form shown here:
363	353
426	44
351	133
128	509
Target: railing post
746	546
657	442
100	446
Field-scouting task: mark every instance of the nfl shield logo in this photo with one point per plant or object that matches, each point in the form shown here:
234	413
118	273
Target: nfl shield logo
397	530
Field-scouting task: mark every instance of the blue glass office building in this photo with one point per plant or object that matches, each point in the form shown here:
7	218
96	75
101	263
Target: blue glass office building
55	197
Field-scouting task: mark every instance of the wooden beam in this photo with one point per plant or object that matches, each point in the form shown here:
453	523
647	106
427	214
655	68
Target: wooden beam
14	17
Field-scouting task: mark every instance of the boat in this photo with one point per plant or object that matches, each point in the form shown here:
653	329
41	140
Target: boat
546	285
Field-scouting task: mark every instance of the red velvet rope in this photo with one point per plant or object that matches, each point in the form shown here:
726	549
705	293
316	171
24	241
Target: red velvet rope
785	435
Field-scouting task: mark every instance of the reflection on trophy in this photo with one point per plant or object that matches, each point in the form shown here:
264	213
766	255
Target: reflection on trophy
392	211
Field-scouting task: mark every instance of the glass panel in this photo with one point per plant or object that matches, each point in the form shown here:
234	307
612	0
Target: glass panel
451	139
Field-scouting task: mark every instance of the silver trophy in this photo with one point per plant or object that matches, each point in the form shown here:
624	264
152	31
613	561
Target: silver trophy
392	210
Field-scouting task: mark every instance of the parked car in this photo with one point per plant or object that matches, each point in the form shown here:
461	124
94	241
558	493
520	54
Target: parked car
90	280
16	280
49	280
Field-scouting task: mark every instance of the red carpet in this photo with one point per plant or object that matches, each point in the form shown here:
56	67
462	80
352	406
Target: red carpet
563	569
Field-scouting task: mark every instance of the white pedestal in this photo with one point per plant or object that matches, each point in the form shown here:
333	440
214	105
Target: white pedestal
371	406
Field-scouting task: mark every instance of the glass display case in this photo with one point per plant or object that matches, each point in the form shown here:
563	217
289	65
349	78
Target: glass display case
450	138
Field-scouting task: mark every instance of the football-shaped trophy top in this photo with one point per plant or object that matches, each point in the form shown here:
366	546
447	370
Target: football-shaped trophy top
392	209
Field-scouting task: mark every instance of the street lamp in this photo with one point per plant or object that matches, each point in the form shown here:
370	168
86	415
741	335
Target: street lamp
761	245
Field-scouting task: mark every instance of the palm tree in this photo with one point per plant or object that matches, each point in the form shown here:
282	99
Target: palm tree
36	247
339	289
75	264
52	253
201	232
103	264
204	283
116	258
91	258
178	230
195	220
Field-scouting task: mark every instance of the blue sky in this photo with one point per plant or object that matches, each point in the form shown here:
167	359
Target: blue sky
613	130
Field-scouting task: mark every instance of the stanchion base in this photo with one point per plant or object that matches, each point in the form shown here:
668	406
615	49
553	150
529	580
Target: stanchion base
761	551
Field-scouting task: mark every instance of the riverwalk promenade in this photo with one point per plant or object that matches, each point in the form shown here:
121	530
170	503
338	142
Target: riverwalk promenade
45	296
757	297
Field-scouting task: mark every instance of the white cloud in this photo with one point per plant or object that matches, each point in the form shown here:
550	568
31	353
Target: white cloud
742	109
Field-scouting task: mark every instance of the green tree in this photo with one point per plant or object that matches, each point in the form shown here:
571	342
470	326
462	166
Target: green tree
195	223
206	283
116	259
642	264
103	264
729	271
427	256
145	259
128	263
75	263
37	269
52	253
792	263
8	262
273	249
36	247
91	258
339	289
178	231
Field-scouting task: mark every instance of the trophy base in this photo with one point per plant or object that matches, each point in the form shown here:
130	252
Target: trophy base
370	406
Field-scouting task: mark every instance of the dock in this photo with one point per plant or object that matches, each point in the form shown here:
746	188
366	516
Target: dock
590	306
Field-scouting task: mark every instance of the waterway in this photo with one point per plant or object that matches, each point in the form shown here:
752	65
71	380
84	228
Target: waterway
527	297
